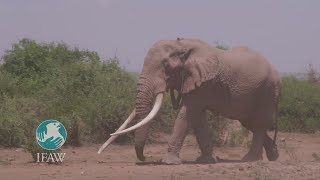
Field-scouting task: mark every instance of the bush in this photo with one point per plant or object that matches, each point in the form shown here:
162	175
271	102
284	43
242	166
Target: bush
299	108
167	116
19	119
218	126
54	81
312	74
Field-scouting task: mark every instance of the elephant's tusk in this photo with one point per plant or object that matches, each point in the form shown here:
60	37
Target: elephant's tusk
123	126
147	119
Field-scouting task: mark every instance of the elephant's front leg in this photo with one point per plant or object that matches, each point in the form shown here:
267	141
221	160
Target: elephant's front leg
178	135
203	134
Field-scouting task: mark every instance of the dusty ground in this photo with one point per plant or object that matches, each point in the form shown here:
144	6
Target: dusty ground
299	159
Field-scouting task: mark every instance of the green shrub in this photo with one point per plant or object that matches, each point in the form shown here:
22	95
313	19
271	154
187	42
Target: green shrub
239	137
299	108
167	116
19	119
217	125
8	84
42	81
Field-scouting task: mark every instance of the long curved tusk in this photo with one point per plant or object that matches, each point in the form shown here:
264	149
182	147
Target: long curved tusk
123	126
147	119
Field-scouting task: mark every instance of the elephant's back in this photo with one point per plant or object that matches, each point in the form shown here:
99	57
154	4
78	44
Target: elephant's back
242	82
244	69
246	75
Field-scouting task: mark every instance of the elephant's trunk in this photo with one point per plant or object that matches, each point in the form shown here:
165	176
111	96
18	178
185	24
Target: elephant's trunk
144	100
140	140
145	111
148	91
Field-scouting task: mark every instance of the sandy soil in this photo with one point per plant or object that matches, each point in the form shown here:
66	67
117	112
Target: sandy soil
299	159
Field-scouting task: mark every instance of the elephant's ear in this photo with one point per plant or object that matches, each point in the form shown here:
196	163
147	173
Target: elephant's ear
199	69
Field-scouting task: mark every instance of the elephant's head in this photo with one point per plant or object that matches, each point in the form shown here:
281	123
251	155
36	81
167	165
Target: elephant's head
181	65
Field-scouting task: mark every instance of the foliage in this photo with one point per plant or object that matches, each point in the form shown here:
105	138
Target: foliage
167	116
217	125
239	137
18	117
222	46
54	81
299	109
312	74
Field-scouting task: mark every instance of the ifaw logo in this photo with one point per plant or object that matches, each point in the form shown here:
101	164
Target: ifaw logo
51	135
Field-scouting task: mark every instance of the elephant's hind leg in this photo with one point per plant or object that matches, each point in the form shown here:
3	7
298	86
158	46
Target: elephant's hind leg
255	152
203	135
271	148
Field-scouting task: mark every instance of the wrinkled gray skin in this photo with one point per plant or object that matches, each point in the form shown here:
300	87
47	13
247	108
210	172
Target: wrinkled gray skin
237	83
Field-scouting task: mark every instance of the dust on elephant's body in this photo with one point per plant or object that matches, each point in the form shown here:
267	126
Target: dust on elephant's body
237	83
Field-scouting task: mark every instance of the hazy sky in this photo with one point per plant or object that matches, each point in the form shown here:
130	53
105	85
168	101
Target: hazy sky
286	32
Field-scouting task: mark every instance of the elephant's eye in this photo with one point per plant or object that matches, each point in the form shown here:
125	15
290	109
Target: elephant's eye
167	67
174	54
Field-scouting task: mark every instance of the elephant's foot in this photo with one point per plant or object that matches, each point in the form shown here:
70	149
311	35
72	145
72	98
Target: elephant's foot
255	152
271	151
172	159
252	156
205	159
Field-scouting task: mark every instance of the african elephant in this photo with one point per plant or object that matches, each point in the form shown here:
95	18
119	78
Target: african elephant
237	83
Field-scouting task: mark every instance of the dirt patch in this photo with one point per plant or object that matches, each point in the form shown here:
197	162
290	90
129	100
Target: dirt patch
299	159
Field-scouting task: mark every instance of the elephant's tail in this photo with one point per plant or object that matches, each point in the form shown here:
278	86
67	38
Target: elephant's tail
275	124
276	116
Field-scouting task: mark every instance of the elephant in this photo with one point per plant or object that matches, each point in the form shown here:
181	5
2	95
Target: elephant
237	83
